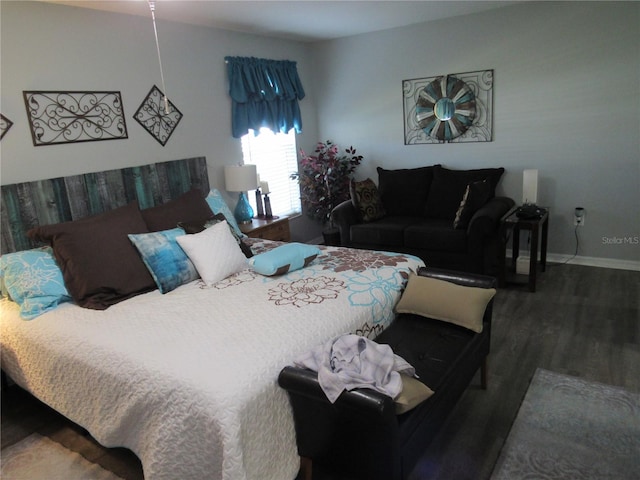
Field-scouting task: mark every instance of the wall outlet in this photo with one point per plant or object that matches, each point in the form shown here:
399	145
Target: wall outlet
579	217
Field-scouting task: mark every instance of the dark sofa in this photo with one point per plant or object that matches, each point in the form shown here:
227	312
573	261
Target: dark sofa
449	218
361	436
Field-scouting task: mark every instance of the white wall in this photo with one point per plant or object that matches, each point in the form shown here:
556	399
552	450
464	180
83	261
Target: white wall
53	47
566	101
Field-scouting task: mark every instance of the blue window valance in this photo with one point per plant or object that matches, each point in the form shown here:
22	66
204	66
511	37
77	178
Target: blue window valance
264	93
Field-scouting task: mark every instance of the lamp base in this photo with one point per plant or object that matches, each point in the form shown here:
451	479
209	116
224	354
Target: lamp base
243	211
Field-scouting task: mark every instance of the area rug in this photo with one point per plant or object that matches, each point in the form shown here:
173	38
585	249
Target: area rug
569	428
39	458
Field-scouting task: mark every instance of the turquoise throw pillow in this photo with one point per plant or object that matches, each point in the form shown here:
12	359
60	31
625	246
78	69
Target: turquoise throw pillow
34	281
168	264
283	259
218	205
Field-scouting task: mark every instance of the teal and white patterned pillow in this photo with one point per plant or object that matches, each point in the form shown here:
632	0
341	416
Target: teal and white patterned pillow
34	281
168	264
218	205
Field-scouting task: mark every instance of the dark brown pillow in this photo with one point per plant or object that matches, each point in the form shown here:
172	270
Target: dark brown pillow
449	185
366	200
188	207
100	266
197	226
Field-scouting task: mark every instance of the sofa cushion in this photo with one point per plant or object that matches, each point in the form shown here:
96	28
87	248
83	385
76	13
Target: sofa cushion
475	196
404	191
435	235
388	232
366	200
448	187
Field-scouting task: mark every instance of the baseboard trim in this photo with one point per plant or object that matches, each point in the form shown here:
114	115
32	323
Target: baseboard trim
591	261
595	262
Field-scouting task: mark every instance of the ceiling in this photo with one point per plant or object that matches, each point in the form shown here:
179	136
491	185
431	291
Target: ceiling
300	20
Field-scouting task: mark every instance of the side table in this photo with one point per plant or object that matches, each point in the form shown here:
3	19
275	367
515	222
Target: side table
539	227
269	229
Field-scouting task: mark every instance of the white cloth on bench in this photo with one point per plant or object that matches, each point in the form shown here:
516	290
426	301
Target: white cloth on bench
351	361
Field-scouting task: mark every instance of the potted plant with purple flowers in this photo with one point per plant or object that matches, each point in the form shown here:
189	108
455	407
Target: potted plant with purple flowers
324	179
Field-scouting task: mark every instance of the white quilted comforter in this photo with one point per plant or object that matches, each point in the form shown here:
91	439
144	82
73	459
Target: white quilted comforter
188	380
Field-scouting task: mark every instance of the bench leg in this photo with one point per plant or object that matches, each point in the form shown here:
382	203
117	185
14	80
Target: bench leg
306	468
484	373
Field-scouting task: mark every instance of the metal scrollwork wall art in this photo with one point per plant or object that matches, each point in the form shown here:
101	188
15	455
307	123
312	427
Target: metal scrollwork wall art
69	117
155	118
5	125
452	108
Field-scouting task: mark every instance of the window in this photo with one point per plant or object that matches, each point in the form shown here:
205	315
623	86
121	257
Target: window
274	155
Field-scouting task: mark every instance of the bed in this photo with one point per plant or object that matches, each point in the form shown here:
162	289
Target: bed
187	379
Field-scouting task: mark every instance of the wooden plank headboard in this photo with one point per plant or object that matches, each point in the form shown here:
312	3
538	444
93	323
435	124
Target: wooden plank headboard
27	205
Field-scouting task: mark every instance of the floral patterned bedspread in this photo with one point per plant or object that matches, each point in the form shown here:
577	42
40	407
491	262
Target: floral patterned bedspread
188	380
370	279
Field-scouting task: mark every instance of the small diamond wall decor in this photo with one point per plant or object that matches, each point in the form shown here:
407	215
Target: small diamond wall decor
5	125
154	119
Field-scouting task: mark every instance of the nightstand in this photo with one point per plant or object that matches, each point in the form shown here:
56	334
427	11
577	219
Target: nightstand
269	229
539	228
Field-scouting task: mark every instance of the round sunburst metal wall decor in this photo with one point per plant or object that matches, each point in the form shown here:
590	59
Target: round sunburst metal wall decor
449	108
446	108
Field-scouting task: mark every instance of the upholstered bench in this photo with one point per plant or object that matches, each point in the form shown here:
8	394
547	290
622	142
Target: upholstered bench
360	436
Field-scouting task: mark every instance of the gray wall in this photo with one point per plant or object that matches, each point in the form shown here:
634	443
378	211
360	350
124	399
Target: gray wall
566	101
53	47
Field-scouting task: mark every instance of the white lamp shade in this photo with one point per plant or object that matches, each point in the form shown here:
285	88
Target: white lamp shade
530	186
240	178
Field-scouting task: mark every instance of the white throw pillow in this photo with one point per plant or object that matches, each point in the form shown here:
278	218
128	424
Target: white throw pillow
214	252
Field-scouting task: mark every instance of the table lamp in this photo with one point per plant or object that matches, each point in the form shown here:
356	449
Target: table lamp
530	187
240	178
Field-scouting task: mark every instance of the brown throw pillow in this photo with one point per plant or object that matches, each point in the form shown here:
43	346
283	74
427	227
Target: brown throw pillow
366	200
187	207
99	264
